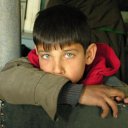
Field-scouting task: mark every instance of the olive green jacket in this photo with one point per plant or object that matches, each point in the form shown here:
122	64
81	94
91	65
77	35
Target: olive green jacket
21	83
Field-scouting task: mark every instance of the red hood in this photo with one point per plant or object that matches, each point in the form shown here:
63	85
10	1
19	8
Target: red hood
106	63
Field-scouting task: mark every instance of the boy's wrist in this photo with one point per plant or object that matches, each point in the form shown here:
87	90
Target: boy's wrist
70	94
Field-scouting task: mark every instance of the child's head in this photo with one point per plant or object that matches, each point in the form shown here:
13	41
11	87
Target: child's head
62	38
61	24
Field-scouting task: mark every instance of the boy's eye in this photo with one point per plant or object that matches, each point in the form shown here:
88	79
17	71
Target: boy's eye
45	56
69	55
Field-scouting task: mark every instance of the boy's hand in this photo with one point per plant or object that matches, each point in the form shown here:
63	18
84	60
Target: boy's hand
126	100
102	96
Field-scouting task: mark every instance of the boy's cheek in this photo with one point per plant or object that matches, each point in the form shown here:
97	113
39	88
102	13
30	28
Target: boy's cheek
45	68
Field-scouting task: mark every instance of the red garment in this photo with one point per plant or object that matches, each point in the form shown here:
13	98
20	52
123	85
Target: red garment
106	63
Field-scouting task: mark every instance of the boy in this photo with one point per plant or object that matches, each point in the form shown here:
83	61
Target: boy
63	48
60	55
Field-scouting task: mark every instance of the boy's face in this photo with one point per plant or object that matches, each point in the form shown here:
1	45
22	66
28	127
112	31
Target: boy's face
69	61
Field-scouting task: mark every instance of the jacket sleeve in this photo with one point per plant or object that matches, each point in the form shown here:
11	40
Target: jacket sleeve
21	83
114	82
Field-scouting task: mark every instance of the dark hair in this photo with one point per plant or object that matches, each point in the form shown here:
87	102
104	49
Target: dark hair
61	25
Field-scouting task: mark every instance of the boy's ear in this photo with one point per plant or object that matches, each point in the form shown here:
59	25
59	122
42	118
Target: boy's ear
90	53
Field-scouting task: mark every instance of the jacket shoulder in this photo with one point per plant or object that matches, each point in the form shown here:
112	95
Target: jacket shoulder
23	61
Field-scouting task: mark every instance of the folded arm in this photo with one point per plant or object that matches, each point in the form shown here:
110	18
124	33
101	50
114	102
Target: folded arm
21	83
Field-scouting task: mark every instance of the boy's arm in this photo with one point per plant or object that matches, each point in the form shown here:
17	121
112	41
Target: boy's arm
103	96
70	94
114	82
41	88
98	95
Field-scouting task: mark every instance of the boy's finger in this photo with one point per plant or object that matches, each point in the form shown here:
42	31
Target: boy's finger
112	105
126	100
118	99
117	93
105	108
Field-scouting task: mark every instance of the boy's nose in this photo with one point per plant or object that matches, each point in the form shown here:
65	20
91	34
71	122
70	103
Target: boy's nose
58	68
